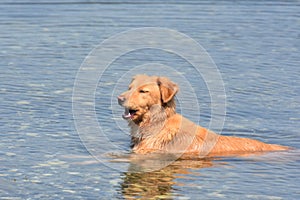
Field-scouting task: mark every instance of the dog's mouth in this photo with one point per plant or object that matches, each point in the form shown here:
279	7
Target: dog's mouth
129	113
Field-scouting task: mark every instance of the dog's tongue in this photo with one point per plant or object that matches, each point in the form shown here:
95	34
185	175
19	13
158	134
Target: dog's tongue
126	114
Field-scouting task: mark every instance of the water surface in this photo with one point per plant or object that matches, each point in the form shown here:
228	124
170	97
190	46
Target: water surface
255	45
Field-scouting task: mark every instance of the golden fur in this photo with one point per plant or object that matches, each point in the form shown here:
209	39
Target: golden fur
156	127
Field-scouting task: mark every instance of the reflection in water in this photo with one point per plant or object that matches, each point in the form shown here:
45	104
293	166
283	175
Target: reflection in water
175	178
140	182
157	184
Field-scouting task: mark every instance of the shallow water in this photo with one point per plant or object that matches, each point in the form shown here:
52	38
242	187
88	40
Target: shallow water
255	45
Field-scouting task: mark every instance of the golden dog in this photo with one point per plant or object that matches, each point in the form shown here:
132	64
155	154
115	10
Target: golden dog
156	127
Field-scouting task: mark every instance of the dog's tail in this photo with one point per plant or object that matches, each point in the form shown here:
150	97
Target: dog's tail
276	147
231	144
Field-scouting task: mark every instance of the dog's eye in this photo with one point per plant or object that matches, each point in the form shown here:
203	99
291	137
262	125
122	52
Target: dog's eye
143	91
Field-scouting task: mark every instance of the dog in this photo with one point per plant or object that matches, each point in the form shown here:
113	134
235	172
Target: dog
150	110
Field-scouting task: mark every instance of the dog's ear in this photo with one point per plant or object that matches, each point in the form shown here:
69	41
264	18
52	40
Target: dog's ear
168	89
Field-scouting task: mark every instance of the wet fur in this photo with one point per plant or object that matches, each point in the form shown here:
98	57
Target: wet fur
157	127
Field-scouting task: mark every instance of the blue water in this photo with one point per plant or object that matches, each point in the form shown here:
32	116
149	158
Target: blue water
254	44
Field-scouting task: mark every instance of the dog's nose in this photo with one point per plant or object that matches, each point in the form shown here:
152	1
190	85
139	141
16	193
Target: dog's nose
121	99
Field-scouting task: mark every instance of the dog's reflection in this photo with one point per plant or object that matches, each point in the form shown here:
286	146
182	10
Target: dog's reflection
142	183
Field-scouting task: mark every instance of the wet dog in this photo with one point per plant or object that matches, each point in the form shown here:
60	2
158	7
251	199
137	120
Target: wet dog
150	110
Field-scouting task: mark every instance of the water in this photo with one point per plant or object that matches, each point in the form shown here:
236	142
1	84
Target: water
255	45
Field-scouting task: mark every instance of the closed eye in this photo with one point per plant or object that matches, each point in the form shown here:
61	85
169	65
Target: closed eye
143	91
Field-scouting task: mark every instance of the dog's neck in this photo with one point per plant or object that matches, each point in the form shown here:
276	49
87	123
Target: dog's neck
152	122
169	108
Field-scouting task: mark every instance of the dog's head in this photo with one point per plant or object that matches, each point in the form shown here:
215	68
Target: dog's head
146	92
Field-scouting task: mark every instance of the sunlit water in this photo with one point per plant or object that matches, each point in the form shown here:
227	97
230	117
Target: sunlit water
255	45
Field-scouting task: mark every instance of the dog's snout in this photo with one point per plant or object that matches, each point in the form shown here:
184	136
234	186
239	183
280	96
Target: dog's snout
121	99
